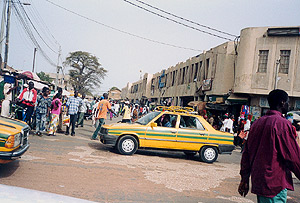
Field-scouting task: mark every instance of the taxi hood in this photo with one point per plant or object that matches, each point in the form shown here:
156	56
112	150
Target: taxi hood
10	126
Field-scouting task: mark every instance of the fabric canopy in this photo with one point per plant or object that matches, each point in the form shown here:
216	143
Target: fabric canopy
38	85
237	97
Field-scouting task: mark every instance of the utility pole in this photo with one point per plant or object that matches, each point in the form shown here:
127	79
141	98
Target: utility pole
3	20
34	53
7	34
276	74
57	69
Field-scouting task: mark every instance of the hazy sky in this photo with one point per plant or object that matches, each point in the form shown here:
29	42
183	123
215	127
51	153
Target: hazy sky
124	55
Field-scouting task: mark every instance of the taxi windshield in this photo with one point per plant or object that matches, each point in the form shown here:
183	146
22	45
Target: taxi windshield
147	118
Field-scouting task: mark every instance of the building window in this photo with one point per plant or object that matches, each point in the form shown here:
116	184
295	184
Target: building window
284	61
207	68
173	79
196	71
187	75
263	61
183	74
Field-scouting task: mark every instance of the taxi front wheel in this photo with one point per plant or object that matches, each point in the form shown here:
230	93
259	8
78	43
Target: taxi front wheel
208	154
127	145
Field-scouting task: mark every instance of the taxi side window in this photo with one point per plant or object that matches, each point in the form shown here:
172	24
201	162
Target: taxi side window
167	120
190	122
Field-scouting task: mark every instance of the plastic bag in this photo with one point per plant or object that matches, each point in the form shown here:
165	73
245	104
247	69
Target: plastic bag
66	120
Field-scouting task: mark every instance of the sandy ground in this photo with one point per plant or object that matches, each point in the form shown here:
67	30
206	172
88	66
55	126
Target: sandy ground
86	169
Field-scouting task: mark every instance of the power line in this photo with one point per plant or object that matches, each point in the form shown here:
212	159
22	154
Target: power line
23	10
175	21
40	20
25	24
116	29
182	18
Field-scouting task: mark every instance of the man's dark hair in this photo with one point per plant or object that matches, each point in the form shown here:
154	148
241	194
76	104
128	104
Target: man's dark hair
45	89
58	95
59	90
277	96
105	95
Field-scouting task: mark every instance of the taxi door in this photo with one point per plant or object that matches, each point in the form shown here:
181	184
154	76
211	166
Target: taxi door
191	133
164	134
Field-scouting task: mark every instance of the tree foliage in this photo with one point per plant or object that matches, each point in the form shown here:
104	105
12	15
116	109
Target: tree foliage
86	73
44	77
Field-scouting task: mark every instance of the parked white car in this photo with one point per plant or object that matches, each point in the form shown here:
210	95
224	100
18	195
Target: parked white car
296	115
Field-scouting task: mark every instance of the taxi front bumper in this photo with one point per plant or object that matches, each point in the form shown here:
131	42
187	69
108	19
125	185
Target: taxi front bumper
14	154
108	139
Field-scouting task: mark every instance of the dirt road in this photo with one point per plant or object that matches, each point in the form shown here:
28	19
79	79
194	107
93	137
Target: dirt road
86	169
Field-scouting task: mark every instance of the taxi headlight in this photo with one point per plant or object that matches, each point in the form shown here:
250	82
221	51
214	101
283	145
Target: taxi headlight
17	139
13	141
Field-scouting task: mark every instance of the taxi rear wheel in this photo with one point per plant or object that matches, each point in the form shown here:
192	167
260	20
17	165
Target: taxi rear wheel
127	145
208	154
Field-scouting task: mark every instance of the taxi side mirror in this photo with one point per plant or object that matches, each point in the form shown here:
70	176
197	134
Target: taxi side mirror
153	125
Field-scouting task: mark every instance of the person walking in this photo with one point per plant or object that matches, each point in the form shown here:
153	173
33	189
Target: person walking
135	113
270	154
101	113
126	113
7	92
117	107
73	104
83	109
42	110
110	113
55	112
28	98
94	115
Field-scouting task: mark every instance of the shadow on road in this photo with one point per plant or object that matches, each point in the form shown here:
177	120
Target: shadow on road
99	146
8	169
167	154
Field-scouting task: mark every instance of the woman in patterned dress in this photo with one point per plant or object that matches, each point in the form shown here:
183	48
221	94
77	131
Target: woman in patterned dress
55	111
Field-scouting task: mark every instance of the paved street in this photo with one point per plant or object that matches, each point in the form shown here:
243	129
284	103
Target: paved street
86	169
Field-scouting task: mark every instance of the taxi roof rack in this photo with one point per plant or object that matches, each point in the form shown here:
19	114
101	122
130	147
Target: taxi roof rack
178	109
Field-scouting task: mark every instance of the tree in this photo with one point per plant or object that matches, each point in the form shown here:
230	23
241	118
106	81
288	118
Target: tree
86	73
44	77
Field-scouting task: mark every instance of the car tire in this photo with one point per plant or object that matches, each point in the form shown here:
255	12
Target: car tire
127	145
208	154
190	154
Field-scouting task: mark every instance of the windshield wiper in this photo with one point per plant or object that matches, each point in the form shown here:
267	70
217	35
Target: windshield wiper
139	122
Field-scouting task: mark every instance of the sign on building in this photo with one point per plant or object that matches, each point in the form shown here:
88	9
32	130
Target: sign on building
206	85
263	102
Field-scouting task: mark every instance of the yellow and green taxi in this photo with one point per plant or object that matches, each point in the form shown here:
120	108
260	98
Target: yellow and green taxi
13	139
172	130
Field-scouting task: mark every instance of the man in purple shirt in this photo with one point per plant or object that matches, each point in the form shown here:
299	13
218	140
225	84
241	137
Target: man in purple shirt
271	153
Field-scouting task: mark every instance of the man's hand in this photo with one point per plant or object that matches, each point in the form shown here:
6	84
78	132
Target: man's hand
243	189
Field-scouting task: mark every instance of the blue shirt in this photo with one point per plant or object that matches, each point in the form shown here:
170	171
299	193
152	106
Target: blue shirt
73	103
43	104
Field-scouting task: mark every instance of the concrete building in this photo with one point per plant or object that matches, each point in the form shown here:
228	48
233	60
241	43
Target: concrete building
206	76
268	58
125	91
114	93
139	92
63	80
231	74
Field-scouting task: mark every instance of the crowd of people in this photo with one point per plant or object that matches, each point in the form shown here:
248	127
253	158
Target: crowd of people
47	114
